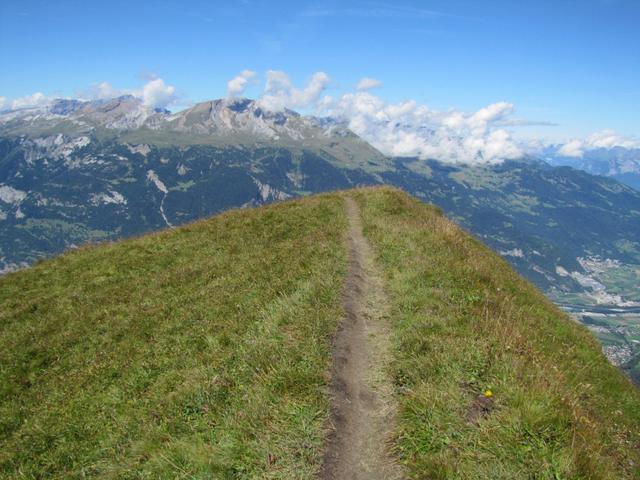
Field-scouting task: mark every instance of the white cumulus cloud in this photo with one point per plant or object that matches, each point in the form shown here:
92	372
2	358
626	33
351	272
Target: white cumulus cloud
104	90
367	83
279	92
603	139
410	129
573	148
237	85
404	128
157	94
37	99
483	117
610	139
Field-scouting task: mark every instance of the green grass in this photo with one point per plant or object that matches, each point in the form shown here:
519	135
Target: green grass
203	352
464	322
193	353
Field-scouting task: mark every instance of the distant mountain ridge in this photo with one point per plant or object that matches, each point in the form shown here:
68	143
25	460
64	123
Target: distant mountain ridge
76	171
620	163
230	121
77	116
74	159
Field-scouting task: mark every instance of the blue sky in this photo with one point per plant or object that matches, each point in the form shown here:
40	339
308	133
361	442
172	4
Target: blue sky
572	63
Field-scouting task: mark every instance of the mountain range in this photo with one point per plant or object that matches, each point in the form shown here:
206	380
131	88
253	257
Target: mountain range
620	163
74	172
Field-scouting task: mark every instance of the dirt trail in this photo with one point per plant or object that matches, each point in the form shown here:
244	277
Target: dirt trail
362	409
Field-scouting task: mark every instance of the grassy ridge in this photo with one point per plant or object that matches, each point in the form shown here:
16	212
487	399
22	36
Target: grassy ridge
199	352
464	323
203	352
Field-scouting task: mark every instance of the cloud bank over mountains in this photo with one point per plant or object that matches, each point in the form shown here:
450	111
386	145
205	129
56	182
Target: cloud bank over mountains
604	139
400	129
155	94
404	128
410	129
237	85
279	93
34	100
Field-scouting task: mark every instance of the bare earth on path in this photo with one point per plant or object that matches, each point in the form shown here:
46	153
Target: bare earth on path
362	417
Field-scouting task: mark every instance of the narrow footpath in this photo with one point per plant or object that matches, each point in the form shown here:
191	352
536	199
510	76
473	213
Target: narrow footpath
362	416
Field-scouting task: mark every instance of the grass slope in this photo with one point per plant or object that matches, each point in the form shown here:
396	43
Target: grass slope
204	352
199	352
464	322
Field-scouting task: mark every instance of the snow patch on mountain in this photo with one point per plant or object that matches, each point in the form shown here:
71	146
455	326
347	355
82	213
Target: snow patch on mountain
52	147
141	149
153	177
268	193
11	195
8	267
111	197
514	252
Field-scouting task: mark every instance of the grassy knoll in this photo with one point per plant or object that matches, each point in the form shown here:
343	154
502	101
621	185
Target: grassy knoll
464	323
199	352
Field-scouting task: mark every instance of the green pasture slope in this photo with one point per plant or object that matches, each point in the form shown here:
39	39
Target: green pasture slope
204	352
